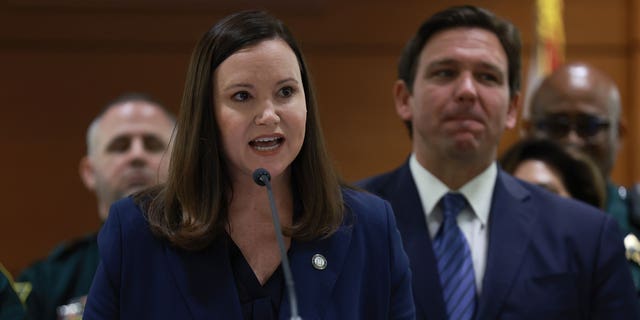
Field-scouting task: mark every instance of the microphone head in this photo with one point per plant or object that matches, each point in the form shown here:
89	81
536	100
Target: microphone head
261	176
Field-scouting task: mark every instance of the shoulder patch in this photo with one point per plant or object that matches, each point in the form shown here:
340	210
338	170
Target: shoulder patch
22	289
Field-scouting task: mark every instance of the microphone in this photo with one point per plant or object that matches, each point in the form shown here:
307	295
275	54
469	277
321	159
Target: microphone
262	178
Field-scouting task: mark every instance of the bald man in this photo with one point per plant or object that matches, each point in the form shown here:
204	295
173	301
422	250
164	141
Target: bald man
127	151
579	106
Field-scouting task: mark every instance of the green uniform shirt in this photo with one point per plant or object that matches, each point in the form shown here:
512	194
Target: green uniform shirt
65	274
617	207
11	307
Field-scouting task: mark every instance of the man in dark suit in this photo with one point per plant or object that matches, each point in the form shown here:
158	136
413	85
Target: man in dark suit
481	243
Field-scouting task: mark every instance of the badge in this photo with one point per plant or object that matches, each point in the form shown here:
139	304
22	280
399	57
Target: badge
632	248
319	261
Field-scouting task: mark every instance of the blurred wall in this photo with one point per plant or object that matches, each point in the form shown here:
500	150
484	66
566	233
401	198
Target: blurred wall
61	61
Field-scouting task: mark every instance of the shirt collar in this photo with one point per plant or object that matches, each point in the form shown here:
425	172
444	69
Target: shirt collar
478	191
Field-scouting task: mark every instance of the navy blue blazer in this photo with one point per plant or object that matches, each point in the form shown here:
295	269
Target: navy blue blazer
141	276
548	257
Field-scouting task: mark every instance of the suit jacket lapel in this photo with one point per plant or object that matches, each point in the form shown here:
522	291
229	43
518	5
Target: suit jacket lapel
412	224
205	281
510	229
314	287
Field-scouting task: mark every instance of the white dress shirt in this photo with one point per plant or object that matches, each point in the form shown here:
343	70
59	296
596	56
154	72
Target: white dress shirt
473	220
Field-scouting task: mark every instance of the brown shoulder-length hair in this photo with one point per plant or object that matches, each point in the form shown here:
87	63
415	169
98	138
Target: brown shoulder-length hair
191	209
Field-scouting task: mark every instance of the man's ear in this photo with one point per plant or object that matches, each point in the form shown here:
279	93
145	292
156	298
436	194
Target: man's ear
402	99
87	173
512	112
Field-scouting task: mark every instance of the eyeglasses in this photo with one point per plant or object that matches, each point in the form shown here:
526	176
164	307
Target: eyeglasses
585	125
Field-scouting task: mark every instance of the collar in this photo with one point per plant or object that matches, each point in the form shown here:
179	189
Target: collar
478	191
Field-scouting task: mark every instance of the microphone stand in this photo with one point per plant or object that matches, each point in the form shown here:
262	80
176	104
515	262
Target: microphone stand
263	178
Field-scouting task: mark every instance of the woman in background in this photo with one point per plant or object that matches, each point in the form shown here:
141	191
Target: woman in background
547	164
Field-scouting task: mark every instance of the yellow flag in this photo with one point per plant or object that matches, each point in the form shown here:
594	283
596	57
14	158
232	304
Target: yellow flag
548	48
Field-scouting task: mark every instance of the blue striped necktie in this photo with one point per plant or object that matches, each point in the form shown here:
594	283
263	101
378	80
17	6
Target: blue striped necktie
454	261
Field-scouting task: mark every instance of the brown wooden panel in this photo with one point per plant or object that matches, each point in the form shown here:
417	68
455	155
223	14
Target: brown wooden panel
363	132
62	60
633	117
48	102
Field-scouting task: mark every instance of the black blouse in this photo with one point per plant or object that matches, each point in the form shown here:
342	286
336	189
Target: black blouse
257	301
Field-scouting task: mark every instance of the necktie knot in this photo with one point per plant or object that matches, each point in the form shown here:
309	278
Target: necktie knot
452	204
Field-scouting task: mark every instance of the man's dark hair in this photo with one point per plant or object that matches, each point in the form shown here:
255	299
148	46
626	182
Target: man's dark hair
463	17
